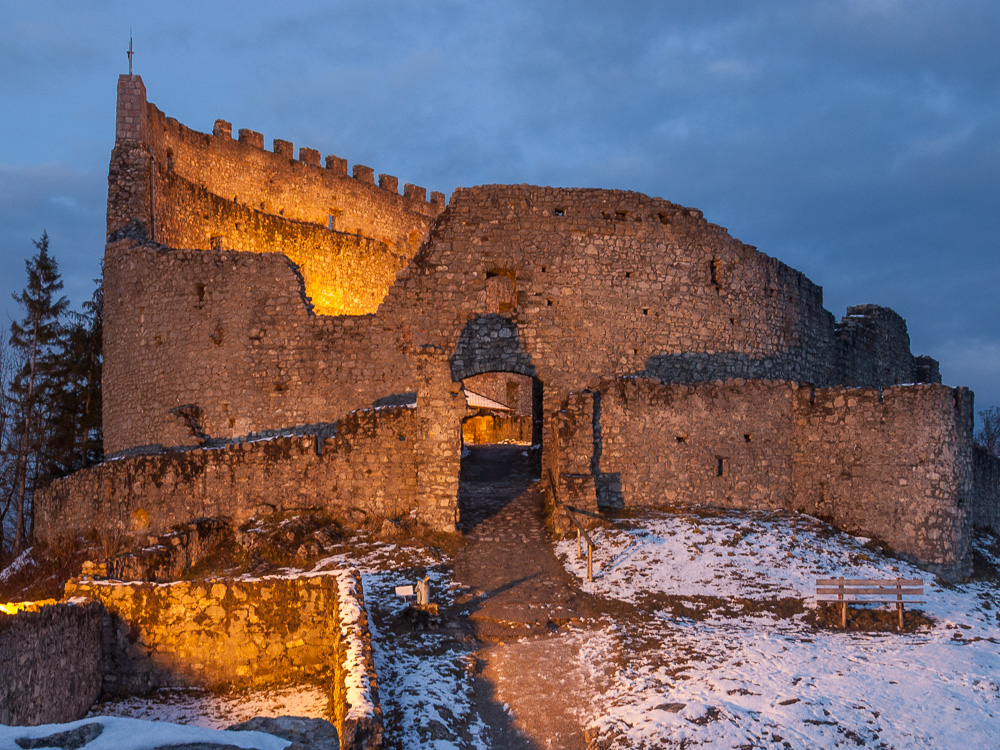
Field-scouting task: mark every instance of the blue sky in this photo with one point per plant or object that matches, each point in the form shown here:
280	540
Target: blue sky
856	140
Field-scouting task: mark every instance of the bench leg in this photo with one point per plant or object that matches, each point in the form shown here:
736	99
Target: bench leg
899	610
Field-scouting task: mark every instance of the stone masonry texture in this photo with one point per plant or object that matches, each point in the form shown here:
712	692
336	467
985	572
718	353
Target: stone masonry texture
52	663
225	633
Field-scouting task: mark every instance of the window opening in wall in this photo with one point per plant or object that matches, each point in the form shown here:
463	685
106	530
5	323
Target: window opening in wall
645	311
544	269
559	212
548	303
329	222
720	466
748	438
199	289
714	269
621	215
628	274
682	438
501	293
665	219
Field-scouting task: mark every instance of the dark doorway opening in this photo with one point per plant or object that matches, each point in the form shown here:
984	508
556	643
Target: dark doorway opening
501	443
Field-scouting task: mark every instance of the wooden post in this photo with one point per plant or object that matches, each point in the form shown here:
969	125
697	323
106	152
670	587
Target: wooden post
843	606
579	552
899	603
590	563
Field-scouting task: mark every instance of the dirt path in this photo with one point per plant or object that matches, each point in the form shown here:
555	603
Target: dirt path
518	597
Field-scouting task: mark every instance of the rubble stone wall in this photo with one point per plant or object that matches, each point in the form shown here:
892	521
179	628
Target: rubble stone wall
726	445
367	469
344	274
52	663
986	490
895	465
216	632
481	429
224	633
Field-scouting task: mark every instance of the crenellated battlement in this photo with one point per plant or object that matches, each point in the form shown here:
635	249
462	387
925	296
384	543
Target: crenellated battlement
348	233
331	163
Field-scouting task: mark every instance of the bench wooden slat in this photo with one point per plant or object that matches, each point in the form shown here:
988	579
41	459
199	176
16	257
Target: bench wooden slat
860	591
912	591
869	581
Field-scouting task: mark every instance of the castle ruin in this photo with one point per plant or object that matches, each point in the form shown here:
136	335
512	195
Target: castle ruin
281	333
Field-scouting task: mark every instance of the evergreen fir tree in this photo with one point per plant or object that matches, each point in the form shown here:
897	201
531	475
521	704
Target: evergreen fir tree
33	339
75	439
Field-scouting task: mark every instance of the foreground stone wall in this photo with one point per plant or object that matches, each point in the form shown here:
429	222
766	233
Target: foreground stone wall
368	469
223	633
51	662
217	632
896	465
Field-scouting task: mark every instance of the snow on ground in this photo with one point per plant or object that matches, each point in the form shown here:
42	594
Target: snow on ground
21	561
202	708
747	680
425	676
135	734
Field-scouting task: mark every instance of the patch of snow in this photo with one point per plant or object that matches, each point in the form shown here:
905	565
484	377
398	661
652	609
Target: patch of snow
135	734
732	681
753	555
361	703
203	708
20	562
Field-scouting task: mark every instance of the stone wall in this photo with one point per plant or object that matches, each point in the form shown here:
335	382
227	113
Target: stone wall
985	505
224	633
344	274
51	663
232	332
481	429
216	632
181	188
895	465
507	388
367	469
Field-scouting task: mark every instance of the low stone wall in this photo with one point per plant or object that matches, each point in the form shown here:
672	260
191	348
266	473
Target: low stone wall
249	632
895	464
356	702
50	659
369	468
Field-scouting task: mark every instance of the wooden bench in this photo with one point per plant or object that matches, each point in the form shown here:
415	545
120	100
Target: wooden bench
844	591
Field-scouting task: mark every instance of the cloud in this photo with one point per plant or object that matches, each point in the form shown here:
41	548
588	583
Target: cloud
66	203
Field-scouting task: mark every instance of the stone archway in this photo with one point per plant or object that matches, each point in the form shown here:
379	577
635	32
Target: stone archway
502	389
